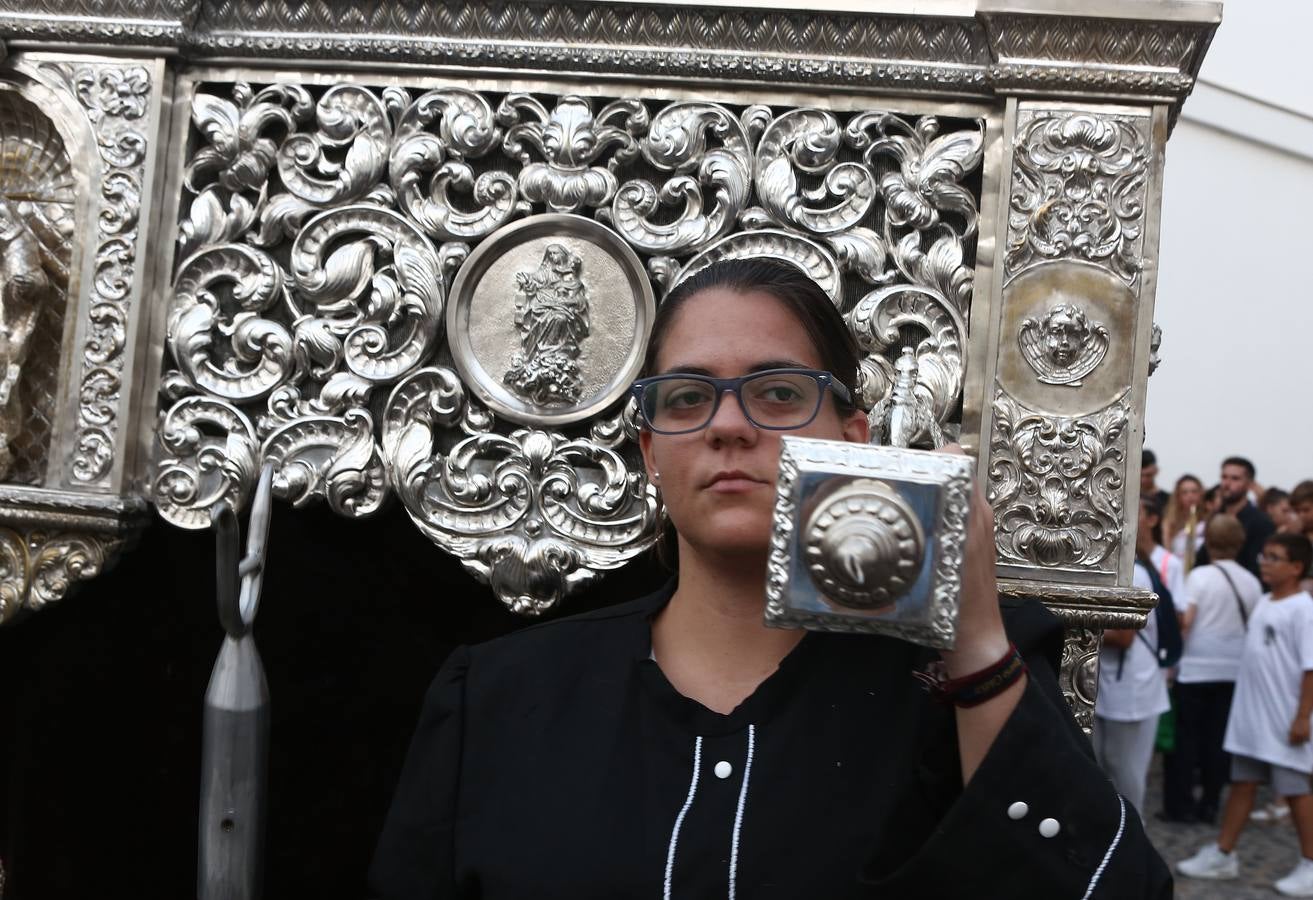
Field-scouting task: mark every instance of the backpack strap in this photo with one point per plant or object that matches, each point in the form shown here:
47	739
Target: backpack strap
1240	604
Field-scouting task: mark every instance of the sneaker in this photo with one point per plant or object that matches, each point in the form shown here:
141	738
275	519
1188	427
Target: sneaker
1273	812
1299	883
1210	862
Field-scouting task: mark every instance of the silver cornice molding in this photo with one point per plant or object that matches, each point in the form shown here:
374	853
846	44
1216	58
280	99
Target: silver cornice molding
1110	49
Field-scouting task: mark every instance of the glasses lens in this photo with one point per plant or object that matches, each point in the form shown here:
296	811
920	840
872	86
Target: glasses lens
678	404
781	400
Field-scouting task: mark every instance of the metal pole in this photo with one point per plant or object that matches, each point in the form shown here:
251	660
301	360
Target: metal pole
235	746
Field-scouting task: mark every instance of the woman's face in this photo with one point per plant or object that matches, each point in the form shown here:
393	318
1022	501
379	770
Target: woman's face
718	484
1190	493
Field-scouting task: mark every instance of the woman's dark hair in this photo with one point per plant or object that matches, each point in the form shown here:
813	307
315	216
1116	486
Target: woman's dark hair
1154	507
803	297
808	302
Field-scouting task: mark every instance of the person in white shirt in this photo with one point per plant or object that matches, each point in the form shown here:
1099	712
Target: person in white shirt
1218	600
1267	733
1132	689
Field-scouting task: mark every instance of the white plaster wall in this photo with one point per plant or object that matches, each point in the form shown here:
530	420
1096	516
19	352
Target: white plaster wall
1236	310
1234	297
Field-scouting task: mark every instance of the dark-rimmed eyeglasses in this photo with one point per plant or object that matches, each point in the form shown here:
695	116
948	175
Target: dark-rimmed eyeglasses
774	399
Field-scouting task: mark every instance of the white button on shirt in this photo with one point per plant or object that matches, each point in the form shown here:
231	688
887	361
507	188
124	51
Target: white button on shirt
1049	828
1018	810
724	769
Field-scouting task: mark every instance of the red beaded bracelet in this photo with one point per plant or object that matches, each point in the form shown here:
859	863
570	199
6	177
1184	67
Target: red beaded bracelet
978	687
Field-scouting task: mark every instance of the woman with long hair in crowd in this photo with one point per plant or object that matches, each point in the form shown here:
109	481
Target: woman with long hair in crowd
1184	519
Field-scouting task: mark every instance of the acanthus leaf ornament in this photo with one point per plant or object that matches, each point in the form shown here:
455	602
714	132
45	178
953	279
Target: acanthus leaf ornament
343	159
379	320
1056	485
676	143
239	148
534	513
329	458
208	454
1078	191
467	129
258	356
570	140
808	141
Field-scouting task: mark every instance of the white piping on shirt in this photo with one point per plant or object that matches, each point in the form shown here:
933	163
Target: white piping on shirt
679	819
1098	873
738	814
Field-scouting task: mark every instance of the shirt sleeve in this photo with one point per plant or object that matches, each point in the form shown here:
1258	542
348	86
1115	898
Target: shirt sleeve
1306	637
1195	582
1038	819
415	858
1178	585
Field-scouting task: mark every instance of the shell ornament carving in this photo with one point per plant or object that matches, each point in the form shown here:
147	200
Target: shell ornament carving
323	231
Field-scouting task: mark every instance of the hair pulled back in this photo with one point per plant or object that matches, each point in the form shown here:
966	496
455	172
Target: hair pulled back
787	283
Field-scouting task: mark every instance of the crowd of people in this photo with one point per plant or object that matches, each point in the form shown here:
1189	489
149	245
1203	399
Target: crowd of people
1221	677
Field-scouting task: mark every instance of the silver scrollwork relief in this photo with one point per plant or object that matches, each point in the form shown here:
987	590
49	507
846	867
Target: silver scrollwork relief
1079	182
115	99
1056	485
442	295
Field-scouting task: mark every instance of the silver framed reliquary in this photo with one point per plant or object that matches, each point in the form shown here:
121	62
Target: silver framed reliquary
868	539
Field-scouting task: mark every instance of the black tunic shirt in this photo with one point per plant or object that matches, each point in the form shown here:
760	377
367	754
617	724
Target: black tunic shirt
559	762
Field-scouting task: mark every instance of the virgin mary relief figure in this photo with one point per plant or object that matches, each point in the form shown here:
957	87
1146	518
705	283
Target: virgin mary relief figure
551	314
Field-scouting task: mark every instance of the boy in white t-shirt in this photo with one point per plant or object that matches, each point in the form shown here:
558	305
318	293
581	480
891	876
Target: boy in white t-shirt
1267	733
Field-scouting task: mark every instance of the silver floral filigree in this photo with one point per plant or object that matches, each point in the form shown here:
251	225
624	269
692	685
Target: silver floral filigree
1056	485
533	512
570	139
1079	182
222	293
808	141
466	130
324	230
677	143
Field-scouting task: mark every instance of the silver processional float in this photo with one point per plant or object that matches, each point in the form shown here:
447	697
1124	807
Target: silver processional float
318	239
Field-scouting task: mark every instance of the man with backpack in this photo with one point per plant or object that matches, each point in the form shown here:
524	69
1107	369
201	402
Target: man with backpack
1132	681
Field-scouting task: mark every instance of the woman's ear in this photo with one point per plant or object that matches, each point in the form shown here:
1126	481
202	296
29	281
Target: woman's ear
645	446
856	428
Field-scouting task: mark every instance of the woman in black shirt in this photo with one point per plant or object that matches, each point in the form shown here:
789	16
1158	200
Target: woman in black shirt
675	747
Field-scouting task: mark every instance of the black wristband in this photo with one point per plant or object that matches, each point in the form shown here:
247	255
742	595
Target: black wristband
978	687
